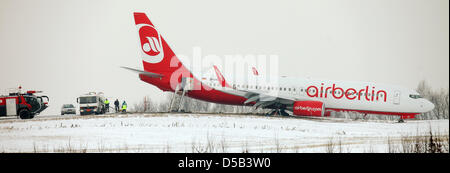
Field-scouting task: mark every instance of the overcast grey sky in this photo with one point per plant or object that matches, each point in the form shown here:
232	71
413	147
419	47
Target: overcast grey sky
69	47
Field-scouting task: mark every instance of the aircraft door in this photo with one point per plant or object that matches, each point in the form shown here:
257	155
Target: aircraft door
397	97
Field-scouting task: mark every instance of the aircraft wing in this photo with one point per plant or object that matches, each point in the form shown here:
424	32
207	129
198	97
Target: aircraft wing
262	99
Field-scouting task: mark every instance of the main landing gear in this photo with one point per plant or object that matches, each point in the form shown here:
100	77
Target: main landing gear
401	120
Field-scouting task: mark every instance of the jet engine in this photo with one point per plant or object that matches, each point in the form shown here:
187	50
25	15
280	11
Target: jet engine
309	108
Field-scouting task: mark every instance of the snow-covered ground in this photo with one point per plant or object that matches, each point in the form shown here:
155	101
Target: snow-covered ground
161	132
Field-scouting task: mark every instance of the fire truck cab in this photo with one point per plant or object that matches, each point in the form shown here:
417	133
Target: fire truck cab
25	105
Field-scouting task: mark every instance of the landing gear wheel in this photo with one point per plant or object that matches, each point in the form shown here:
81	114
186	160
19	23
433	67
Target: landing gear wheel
364	116
272	112
401	121
283	112
25	114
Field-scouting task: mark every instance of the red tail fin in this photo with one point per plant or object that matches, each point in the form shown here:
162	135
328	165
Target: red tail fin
156	54
163	68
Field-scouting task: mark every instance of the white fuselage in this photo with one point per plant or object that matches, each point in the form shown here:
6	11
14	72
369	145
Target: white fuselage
362	96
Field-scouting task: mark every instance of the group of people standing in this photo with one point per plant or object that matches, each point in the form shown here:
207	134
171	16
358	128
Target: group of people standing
116	106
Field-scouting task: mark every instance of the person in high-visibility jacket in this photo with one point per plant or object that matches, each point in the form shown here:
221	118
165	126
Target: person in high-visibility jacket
124	106
107	105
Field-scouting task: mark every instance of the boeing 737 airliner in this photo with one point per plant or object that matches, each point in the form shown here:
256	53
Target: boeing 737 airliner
302	96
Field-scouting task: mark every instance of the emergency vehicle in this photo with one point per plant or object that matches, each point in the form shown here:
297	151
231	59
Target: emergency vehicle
92	103
25	105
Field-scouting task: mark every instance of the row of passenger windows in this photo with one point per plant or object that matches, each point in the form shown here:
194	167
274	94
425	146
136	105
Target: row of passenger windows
286	89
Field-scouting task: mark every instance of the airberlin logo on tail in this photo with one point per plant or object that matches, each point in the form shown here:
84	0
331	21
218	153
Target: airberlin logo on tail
151	43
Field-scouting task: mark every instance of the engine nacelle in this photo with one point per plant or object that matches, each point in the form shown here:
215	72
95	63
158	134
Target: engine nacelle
309	108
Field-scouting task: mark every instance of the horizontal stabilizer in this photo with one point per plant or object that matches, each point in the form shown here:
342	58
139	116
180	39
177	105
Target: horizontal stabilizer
149	74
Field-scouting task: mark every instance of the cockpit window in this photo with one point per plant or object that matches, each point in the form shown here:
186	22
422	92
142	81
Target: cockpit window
415	96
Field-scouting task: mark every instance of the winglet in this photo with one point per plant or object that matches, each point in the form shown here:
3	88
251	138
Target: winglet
220	78
255	72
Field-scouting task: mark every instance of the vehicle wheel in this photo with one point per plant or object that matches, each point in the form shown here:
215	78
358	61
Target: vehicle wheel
24	114
62	113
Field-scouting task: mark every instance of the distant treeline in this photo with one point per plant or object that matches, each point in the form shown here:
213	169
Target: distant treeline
439	98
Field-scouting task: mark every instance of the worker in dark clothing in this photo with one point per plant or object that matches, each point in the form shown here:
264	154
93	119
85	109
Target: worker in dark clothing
116	103
107	105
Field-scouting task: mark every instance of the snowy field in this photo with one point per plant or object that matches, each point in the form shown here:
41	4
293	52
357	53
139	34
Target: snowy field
162	132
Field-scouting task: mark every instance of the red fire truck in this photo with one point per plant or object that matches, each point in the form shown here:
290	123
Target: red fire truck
25	105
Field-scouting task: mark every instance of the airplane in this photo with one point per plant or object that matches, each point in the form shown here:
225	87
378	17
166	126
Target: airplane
301	96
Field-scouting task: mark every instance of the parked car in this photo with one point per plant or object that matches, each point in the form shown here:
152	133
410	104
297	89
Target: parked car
68	109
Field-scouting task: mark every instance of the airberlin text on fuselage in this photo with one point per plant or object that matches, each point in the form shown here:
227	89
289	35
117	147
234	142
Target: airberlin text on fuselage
350	93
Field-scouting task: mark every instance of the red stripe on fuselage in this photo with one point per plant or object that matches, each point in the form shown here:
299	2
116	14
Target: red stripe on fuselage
403	114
